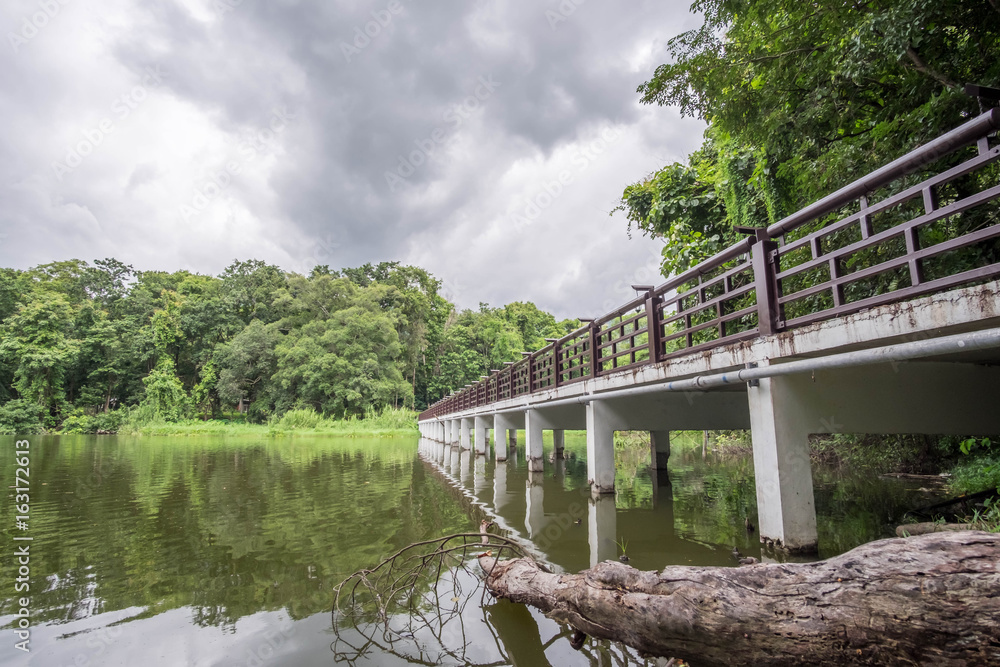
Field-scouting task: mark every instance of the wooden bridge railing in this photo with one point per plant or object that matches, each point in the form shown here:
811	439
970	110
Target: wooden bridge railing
887	237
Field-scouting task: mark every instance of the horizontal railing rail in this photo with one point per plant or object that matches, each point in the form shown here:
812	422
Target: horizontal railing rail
917	238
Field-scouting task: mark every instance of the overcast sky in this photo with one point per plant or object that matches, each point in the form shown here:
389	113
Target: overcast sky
486	141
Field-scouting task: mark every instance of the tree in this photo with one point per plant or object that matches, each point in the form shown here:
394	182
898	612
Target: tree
248	288
799	98
37	341
345	365
245	364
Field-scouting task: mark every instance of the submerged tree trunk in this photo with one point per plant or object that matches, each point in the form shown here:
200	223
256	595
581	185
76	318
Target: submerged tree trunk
932	599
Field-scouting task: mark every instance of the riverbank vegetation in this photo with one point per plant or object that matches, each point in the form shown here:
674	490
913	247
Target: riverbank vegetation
948	465
103	347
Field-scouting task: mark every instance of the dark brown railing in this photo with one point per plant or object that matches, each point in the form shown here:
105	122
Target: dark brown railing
879	240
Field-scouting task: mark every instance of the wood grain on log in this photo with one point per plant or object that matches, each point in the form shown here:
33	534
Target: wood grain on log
932	599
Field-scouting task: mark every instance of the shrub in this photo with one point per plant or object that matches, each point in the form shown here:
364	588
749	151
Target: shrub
21	417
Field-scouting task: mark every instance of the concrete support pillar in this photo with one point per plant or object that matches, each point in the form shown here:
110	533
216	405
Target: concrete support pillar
659	449
600	448
456	431
501	424
601	527
786	511
481	428
464	433
558	442
512	434
533	436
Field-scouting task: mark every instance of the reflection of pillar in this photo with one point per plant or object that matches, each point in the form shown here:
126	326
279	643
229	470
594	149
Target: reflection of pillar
464	435
659	449
456	462
500	495
601	527
463	469
558	442
534	519
600	449
559	472
533	438
479	476
518	633
663	501
786	511
480	436
501	423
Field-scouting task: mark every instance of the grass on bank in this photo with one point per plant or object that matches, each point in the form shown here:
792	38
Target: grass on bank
389	422
971	464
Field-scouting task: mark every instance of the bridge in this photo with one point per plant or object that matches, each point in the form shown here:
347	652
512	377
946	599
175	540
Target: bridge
874	310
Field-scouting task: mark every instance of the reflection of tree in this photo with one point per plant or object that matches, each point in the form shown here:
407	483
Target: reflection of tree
224	528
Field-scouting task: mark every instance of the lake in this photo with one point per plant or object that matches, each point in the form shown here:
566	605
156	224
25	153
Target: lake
225	551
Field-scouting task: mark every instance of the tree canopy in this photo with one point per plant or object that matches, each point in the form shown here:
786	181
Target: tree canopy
801	98
81	344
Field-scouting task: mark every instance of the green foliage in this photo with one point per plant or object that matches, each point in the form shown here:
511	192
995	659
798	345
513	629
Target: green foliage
80	422
38	344
297	419
82	341
21	417
800	99
165	396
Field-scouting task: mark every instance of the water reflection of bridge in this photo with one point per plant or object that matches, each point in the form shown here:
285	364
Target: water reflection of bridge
556	517
873	310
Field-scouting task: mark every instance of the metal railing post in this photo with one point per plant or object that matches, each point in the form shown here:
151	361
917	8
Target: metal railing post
653	326
764	255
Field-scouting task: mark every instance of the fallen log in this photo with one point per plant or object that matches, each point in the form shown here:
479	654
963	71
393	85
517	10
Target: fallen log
932	599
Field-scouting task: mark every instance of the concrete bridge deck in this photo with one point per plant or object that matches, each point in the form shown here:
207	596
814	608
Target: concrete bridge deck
923	359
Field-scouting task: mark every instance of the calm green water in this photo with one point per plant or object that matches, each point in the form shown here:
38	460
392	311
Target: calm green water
199	551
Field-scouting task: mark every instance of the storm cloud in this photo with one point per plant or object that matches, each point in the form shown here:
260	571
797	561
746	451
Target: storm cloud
485	141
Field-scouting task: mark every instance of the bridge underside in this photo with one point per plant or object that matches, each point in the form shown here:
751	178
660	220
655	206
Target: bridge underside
955	393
